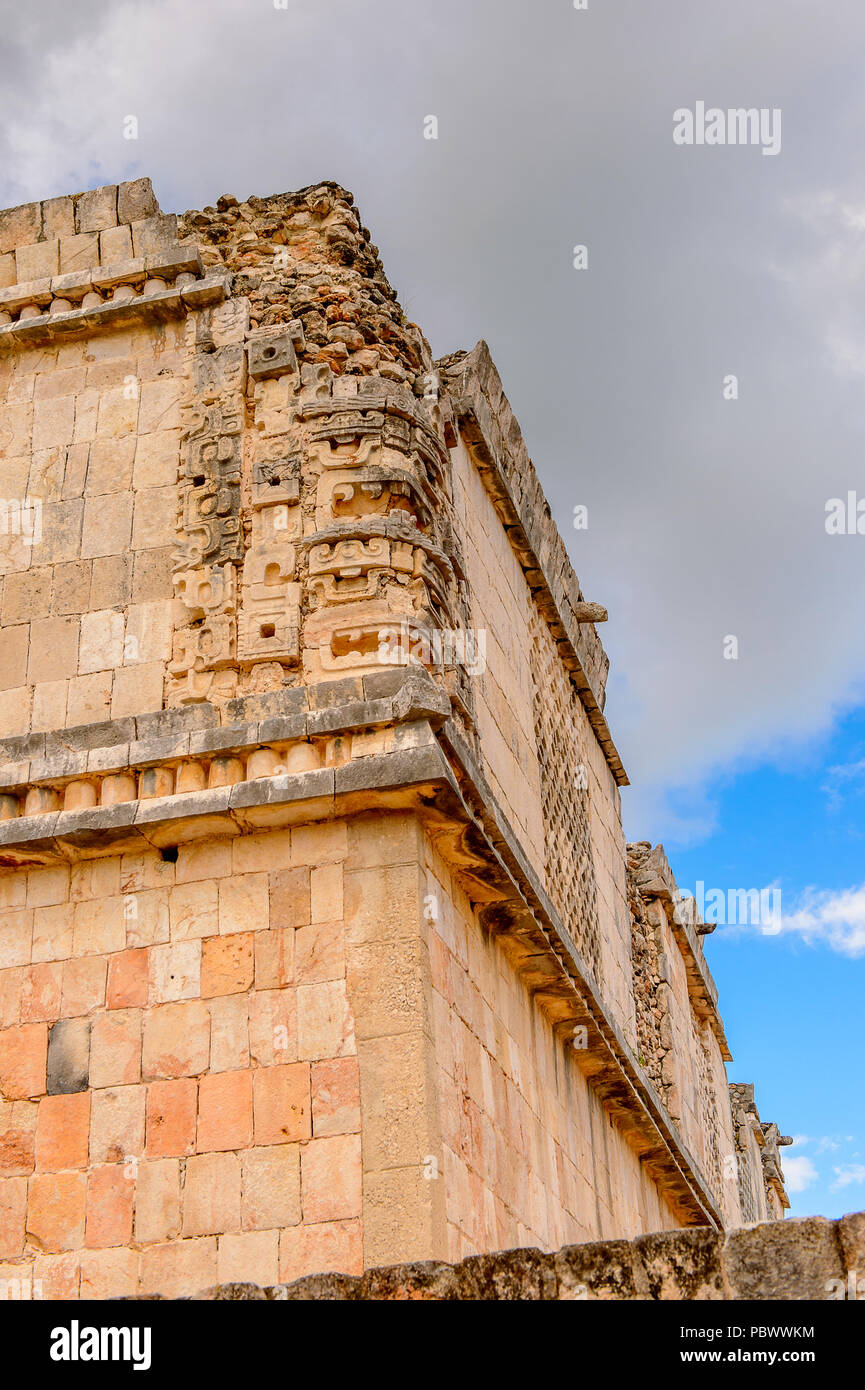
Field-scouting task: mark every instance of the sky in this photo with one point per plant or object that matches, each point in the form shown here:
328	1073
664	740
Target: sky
737	685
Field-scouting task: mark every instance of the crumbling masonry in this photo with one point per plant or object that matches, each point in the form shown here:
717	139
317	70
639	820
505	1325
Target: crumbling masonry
320	944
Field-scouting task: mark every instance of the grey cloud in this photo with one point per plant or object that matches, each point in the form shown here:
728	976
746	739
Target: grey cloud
706	516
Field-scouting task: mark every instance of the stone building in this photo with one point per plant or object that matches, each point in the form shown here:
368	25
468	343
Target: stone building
320	944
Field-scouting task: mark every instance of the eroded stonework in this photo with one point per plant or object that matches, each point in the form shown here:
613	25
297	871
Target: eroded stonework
321	947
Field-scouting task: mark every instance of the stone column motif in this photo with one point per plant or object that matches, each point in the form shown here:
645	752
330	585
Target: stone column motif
386	581
210	535
270	613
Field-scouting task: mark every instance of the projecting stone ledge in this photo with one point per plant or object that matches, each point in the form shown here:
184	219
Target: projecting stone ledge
811	1258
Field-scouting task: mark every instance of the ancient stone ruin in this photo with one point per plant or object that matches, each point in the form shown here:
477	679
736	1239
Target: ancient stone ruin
321	948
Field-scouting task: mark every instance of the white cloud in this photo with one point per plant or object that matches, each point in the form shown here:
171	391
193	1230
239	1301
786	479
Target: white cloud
848	1175
833	919
799	1173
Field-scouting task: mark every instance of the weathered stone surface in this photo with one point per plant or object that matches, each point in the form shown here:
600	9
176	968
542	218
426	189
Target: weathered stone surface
68	1056
603	1269
783	1259
681	1265
523	1274
426	1280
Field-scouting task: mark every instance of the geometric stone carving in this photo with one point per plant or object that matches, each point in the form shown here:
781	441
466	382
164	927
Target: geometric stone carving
275	354
209	642
269	628
276	480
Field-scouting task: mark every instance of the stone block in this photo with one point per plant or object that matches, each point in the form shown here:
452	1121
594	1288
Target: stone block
115	1048
97	209
115	245
273	1026
176	1040
274	958
290	903
128	975
63	1132
108	1273
227	964
225	1111
153	235
229	1032
83	986
20	226
252	1255
425	1280
851	1233
23	1060
335	1097
58	217
136	201
526	1275
157	1200
281	1104
682	1264
79	253
783	1259
171	1115
332	1178
211	1194
325	1027
109	1210
18	1138
56	1211
36	262
270	1187
117	1124
319	1257
172	1269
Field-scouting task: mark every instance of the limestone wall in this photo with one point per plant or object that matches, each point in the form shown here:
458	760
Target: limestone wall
501	608
179	1069
91	379
530	1153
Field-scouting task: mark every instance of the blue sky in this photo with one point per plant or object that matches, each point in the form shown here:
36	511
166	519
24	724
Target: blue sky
792	1004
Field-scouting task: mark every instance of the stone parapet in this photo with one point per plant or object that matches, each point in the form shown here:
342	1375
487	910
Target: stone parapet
810	1258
